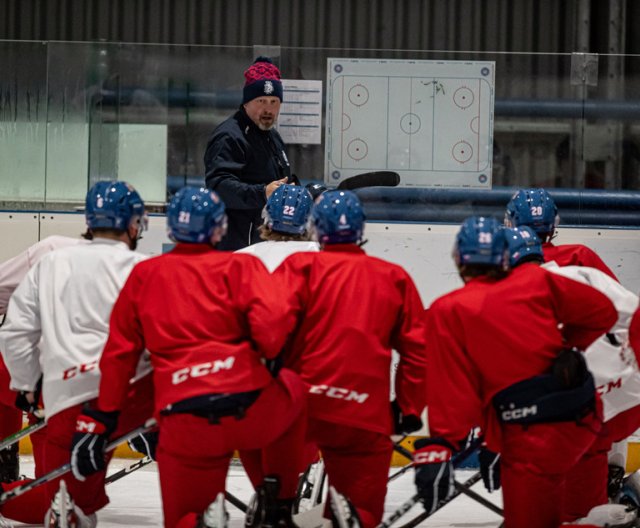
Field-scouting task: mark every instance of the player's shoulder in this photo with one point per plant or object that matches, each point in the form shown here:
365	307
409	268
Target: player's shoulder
54	242
303	255
385	266
245	260
448	301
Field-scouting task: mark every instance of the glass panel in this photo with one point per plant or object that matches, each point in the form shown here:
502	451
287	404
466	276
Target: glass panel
23	117
144	114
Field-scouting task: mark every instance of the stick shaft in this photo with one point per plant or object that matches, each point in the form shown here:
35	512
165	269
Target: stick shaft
146	461
16	437
16	492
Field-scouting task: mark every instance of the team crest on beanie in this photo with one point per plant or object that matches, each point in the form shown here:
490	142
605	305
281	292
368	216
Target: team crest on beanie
261	78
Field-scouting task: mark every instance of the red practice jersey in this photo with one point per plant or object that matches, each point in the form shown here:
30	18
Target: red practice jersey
354	309
491	334
575	255
207	317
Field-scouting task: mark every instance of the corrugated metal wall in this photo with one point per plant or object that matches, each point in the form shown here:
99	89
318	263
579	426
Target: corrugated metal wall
489	25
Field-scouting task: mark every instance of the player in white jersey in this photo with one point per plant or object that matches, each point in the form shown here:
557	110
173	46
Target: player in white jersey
12	271
284	230
610	359
57	325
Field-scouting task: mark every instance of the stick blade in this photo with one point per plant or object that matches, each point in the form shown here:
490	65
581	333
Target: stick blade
370	179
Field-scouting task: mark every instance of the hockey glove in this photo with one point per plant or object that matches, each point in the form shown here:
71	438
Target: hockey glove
434	471
29	401
145	443
489	469
404	423
93	429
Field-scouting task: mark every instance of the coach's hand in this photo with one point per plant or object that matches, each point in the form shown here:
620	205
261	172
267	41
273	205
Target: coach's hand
93	429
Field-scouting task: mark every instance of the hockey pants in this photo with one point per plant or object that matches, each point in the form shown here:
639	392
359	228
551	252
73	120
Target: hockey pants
536	463
90	495
357	464
193	454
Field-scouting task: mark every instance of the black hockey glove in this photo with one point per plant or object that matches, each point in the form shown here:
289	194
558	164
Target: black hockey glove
93	429
145	443
404	423
489	469
434	471
29	401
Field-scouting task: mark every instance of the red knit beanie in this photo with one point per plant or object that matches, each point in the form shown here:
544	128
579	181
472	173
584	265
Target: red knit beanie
262	78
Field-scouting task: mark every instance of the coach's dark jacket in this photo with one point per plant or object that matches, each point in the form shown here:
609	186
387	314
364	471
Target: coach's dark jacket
240	161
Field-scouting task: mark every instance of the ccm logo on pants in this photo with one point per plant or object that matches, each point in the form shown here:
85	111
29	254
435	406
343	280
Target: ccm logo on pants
338	393
210	367
516	414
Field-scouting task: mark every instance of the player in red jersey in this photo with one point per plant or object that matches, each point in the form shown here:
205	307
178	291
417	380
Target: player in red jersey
209	319
353	310
492	346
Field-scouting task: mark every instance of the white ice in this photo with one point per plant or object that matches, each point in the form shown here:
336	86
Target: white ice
135	500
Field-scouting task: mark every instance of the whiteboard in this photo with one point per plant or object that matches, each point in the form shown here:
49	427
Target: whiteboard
429	121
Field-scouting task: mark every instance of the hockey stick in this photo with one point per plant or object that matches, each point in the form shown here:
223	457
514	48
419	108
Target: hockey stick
65	468
129	469
404	508
462	488
400	472
425	514
370	179
26	431
235	501
146	461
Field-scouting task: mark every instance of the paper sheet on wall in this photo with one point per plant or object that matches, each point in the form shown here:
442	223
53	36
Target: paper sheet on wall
300	118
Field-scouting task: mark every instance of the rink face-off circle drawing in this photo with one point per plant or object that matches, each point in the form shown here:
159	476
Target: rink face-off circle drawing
430	121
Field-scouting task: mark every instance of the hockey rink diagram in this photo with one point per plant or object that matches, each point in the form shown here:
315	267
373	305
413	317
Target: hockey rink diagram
430	121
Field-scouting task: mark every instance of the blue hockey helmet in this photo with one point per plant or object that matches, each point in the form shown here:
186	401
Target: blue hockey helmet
193	214
338	218
288	209
533	208
523	242
481	240
113	205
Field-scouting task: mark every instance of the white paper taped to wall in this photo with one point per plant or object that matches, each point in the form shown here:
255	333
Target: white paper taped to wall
300	119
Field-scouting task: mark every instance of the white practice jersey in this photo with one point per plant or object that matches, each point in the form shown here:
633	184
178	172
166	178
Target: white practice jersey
58	321
614	367
13	270
273	253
